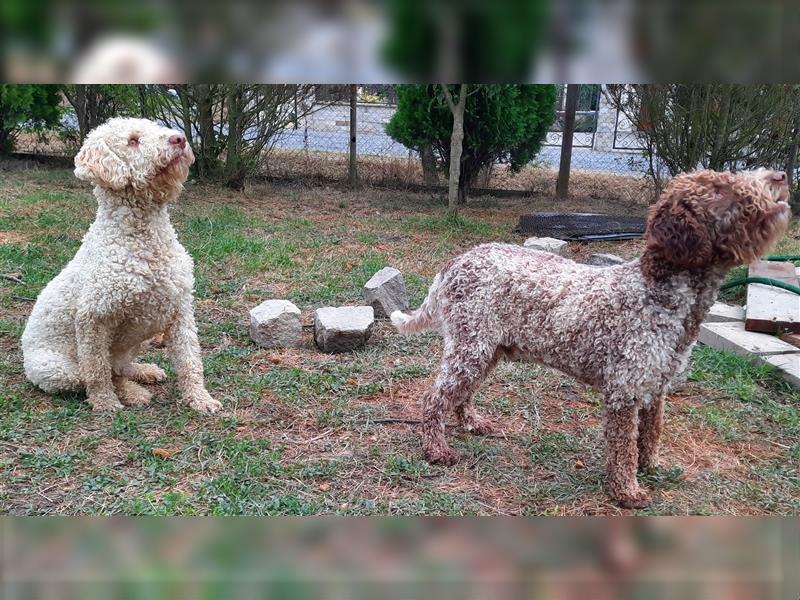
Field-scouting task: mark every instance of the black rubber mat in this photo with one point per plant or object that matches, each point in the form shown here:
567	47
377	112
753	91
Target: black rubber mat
581	226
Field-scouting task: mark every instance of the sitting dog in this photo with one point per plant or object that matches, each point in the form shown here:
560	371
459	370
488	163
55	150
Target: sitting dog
627	330
130	279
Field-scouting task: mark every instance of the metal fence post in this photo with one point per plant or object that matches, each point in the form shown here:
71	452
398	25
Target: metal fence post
353	173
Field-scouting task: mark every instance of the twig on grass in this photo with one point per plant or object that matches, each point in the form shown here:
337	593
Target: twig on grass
13	278
388	421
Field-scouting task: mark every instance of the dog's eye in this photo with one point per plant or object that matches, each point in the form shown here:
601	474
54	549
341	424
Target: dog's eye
133	141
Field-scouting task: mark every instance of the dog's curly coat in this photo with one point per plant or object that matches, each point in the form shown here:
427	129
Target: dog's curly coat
129	280
628	329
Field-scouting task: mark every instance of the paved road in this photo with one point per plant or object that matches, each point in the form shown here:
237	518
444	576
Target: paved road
623	163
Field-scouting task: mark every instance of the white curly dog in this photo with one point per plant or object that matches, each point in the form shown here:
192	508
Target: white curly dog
130	279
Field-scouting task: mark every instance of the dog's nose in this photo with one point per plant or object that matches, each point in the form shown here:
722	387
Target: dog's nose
177	140
779	176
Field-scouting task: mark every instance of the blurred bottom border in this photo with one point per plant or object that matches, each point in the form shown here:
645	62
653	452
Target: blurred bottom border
388	557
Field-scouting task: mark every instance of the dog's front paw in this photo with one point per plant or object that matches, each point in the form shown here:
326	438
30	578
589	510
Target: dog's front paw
441	456
131	394
202	402
104	401
637	497
147	373
479	425
648	465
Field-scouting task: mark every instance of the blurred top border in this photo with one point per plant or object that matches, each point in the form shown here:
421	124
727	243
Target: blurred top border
335	41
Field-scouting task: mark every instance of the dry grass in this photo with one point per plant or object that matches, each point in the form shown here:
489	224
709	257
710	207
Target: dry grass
406	172
304	432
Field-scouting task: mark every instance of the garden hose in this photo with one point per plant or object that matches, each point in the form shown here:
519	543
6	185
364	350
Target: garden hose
780	258
766	280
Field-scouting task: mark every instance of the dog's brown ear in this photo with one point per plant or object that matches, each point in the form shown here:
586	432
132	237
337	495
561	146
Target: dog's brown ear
97	164
679	234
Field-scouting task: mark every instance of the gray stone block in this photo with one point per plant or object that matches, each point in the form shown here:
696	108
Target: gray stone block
386	292
342	329
605	260
276	324
547	244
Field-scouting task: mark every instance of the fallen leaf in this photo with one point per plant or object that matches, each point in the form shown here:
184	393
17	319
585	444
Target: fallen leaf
275	359
162	452
351	381
579	464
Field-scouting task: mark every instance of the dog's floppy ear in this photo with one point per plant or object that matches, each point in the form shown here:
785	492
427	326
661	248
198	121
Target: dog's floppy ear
97	164
678	232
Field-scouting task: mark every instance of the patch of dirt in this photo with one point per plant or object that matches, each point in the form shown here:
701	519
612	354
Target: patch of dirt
12	237
110	451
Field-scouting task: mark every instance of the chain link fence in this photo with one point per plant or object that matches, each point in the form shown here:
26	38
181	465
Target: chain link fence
607	161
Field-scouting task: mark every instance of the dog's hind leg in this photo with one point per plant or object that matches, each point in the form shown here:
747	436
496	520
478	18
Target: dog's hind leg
460	375
93	338
469	418
52	371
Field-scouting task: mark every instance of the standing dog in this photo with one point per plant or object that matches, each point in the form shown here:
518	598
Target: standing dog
130	279
627	330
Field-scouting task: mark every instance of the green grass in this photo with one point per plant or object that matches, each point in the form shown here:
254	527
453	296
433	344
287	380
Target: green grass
306	433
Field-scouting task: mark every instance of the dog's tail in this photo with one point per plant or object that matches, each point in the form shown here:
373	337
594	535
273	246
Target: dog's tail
422	319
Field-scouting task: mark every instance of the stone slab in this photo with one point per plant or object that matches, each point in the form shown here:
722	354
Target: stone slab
547	244
734	338
343	328
725	313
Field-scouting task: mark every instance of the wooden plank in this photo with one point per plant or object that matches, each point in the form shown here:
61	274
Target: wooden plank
733	338
788	366
759	348
770	309
725	313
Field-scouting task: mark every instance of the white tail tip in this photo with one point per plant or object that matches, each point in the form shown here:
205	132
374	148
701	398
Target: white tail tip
399	318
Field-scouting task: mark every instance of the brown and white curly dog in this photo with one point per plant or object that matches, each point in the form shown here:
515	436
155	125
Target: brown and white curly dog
627	330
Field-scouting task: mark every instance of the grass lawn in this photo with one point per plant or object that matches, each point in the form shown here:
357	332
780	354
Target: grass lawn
302	432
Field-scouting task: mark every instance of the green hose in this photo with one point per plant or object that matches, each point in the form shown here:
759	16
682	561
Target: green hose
780	258
765	280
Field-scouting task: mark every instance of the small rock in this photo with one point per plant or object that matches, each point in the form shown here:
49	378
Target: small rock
344	328
386	292
276	324
547	244
605	260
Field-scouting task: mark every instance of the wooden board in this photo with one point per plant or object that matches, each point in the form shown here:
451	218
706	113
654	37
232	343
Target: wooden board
770	309
734	338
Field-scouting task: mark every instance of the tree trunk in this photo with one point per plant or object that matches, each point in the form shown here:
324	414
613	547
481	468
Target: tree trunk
5	138
206	151
353	171
464	188
456	191
428	161
234	168
570	107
